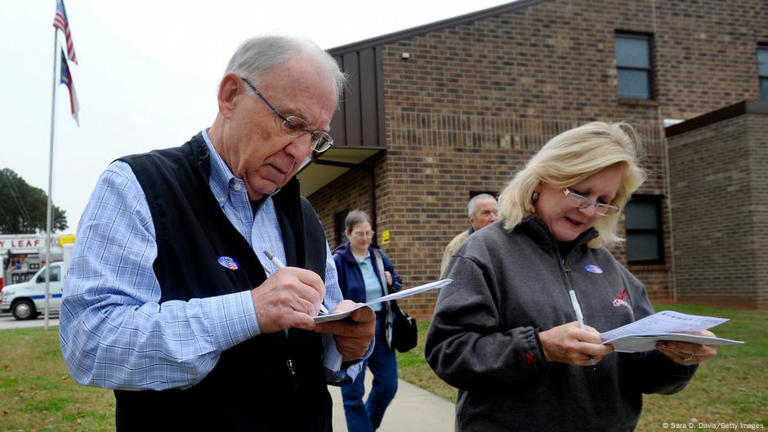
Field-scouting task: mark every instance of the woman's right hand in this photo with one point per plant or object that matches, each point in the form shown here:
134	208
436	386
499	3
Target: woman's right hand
570	344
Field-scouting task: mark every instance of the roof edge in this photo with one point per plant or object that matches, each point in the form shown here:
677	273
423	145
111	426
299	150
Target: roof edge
725	113
437	25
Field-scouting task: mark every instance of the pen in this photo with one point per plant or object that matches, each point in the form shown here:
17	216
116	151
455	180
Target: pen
579	317
276	261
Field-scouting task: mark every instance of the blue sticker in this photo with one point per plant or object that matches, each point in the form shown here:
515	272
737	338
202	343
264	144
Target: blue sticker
228	262
593	269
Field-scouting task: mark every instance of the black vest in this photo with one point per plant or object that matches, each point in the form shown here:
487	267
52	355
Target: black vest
250	388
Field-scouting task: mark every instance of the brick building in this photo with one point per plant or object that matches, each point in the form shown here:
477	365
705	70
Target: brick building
719	181
438	113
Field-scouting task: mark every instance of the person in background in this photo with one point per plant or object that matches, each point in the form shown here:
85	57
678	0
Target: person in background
361	281
170	298
482	210
505	332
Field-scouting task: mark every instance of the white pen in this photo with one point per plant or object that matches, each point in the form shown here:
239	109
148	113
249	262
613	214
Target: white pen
276	261
579	317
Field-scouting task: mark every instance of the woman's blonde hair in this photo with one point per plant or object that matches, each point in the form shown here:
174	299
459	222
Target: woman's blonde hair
570	158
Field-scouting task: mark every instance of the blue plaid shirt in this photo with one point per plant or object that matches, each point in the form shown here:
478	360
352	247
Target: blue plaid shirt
114	332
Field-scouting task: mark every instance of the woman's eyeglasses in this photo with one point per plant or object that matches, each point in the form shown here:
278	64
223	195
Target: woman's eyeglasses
363	234
583	202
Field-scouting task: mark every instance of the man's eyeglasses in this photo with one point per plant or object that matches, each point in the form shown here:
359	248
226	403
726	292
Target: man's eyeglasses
583	202
363	234
296	126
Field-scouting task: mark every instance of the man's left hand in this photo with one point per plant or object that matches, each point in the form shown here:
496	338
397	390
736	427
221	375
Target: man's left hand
354	334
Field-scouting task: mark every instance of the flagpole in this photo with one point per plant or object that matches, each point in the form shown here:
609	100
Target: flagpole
50	184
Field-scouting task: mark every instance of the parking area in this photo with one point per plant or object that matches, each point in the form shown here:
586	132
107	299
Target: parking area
7	321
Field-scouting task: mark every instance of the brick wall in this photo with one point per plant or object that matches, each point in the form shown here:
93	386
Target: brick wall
476	100
721	221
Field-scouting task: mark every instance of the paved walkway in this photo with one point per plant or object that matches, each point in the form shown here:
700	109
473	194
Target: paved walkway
412	410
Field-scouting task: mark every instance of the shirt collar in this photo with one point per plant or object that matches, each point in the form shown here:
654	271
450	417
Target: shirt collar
366	258
221	175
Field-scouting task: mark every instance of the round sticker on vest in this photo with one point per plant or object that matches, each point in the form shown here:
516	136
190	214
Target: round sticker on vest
593	269
228	262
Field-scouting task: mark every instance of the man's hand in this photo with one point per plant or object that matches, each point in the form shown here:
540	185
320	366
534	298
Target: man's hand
568	343
685	353
290	297
353	335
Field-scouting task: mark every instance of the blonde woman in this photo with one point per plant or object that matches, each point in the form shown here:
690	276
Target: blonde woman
505	331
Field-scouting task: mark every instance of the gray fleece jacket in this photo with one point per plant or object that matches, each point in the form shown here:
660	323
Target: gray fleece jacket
484	335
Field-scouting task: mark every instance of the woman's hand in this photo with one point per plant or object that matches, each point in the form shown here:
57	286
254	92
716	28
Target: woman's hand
685	353
570	344
389	277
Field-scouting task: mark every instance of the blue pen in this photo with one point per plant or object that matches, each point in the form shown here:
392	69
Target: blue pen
579	317
276	261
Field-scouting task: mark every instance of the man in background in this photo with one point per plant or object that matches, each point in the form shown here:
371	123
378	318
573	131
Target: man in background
482	210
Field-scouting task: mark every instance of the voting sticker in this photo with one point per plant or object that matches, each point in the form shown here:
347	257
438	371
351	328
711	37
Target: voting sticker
593	269
228	262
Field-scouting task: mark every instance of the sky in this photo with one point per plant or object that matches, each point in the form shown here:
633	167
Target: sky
148	73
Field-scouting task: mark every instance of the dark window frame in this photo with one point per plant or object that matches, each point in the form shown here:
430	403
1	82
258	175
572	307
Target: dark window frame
658	231
648	37
762	78
338	221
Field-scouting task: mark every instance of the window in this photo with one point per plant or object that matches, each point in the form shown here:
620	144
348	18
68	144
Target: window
55	275
762	70
338	219
633	66
644	233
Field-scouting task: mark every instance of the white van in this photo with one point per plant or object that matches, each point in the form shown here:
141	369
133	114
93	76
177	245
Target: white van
26	300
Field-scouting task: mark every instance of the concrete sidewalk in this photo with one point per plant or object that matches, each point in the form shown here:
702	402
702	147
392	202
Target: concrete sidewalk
412	410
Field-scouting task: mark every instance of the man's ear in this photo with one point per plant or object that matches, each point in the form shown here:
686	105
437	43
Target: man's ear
229	89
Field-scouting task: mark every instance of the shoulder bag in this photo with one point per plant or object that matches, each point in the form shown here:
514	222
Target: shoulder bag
402	333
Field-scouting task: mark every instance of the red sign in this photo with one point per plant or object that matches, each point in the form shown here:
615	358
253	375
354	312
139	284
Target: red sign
20	242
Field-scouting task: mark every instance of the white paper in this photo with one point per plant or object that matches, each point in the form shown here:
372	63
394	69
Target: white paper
643	334
648	343
394	296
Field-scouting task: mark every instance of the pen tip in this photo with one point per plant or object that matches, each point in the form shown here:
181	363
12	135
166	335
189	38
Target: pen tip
268	254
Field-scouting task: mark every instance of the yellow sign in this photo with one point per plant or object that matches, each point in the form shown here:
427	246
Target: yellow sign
66	239
385	238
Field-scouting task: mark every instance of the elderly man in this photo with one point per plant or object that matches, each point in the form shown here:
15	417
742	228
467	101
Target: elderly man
482	210
170	297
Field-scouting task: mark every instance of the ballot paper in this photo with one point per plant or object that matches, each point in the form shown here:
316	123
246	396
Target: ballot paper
394	296
643	334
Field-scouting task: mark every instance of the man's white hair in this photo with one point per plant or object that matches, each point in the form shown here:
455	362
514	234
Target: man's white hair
472	205
257	56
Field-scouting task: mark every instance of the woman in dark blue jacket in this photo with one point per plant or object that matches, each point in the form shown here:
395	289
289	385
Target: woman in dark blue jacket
361	281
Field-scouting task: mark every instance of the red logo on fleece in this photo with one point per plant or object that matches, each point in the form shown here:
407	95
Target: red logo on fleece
530	357
621	299
623	295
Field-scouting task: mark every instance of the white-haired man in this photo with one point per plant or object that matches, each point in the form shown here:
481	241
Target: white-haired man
482	210
171	300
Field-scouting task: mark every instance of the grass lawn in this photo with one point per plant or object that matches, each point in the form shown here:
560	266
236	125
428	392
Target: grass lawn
731	388
37	393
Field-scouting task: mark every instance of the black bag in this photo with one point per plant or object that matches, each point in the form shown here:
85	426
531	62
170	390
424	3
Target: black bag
405	334
402	332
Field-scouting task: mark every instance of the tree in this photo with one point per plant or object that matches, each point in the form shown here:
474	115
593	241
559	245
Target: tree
23	207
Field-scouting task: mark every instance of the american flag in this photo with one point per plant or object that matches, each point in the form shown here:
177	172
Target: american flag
60	22
66	79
